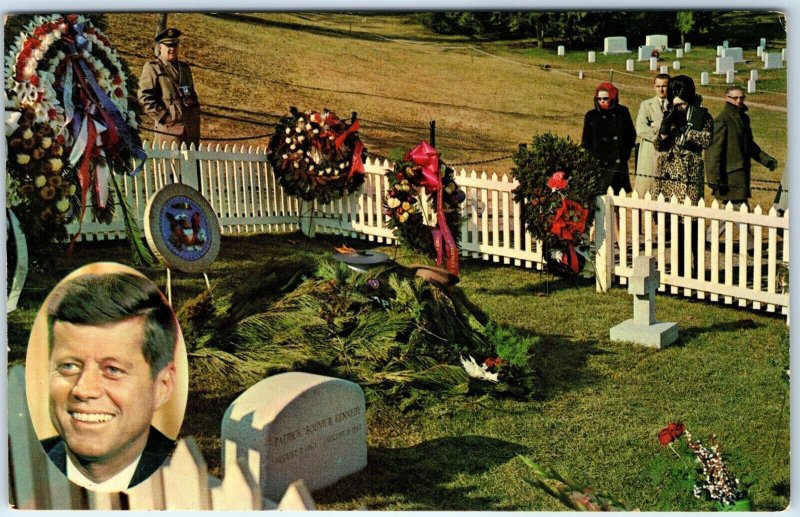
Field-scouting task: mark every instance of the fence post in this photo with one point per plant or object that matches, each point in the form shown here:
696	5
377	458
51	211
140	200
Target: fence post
433	133
190	173
604	242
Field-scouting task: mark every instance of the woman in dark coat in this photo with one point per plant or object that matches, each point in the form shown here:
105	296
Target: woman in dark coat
685	131
609	134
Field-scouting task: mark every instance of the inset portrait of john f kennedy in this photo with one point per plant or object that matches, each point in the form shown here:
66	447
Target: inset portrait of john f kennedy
106	377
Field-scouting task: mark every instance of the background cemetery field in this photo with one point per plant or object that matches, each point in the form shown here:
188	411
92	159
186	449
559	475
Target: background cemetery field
597	420
485	96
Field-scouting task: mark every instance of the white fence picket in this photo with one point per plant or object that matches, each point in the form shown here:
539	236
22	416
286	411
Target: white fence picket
247	198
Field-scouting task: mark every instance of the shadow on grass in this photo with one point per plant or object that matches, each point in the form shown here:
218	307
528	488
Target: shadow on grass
421	477
562	364
690	333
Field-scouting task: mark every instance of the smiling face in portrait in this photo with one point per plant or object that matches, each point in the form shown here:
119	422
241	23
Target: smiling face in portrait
102	392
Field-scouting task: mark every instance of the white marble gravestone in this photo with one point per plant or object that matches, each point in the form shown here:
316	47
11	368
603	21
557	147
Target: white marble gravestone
772	60
676	65
658	41
643	327
687	47
629	65
783	54
754	75
751	86
730	76
759	51
734	52
645	52
561	50
653	63
297	426
720	48
725	44
703	78
679	53
664	69
724	65
592	56
615	45
762	43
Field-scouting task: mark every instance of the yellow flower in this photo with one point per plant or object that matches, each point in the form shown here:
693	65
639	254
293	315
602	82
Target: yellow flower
46	142
406	205
402	217
62	205
72	190
56	164
27	134
393	202
23	159
40	181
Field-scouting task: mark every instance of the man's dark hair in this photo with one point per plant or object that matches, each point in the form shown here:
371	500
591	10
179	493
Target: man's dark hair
98	299
733	88
661	76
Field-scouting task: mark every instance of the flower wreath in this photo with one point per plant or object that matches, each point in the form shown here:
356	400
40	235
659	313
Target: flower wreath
68	126
558	184
316	156
417	223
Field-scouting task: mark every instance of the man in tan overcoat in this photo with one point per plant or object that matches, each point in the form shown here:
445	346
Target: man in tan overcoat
647	123
167	94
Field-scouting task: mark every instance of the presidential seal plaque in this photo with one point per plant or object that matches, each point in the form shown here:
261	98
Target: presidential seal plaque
182	229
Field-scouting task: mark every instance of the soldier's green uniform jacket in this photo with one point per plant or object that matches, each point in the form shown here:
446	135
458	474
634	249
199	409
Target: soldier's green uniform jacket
167	94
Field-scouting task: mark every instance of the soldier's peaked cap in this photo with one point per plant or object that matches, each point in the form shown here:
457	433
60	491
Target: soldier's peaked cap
169	36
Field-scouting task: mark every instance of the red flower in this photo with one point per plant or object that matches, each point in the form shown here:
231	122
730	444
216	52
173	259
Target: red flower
118	92
72	18
52	114
399	177
557	181
567	225
671	433
493	361
34	80
60	139
117	80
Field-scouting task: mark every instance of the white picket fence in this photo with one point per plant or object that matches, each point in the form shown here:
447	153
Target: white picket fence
247	198
183	483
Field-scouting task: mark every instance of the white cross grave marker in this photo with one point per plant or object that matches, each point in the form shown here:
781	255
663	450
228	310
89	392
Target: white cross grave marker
643	327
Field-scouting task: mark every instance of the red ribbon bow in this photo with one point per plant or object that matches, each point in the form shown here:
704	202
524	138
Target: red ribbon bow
567	227
427	158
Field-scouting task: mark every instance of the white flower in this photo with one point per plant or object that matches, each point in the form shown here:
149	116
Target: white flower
393	202
12	121
478	372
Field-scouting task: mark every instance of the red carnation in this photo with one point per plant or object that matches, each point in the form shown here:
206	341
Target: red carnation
60	139
557	181
34	80
672	432
117	80
52	114
118	92
399	176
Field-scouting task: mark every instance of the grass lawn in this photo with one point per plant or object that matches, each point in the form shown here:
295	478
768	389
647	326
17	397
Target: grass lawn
603	403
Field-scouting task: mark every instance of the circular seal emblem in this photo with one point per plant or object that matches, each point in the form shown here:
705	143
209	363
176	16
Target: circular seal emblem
182	229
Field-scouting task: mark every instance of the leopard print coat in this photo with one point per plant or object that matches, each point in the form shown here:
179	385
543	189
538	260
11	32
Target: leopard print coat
680	166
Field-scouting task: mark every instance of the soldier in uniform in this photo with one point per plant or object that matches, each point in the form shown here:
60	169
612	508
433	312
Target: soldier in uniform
166	92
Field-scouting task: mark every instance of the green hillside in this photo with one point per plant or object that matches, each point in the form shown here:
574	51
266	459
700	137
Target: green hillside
486	97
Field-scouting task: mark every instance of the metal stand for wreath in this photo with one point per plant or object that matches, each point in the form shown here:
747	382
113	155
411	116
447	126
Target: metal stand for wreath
182	231
307	218
21	267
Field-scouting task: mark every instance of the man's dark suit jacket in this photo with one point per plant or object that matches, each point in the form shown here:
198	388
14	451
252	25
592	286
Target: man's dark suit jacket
156	450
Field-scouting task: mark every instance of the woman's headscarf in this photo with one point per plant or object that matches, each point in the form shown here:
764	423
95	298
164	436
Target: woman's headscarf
682	86
613	94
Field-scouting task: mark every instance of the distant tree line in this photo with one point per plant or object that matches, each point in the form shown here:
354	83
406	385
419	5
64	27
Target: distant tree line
581	29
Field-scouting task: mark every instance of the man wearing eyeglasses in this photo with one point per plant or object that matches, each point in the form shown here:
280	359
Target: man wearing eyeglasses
727	160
